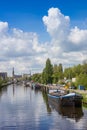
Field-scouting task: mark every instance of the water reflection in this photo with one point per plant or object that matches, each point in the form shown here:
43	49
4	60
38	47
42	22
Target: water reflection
22	108
3	91
45	97
74	113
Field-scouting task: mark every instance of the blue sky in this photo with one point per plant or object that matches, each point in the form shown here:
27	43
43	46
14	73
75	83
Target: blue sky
37	24
27	14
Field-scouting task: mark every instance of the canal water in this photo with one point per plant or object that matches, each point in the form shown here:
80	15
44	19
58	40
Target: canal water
22	108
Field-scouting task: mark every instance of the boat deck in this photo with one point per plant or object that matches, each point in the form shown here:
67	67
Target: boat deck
58	93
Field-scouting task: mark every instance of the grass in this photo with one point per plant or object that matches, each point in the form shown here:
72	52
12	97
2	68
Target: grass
84	97
83	93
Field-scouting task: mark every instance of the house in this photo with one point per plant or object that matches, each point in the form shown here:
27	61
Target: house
73	79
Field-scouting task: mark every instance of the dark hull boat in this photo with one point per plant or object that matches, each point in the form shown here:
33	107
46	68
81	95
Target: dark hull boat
71	99
74	113
36	86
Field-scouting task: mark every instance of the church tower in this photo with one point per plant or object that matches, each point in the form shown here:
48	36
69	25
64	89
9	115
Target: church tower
13	72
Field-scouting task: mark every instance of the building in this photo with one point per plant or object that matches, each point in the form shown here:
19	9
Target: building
26	75
3	75
73	79
13	73
15	77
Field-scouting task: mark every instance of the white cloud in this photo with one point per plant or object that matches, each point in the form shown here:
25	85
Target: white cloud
57	24
64	38
24	51
3	27
78	36
18	49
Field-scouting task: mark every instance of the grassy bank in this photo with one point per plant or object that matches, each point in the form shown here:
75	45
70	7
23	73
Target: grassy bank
84	98
83	93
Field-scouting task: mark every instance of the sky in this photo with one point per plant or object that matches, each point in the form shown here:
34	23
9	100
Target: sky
33	30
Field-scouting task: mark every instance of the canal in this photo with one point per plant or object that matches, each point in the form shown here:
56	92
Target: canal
22	108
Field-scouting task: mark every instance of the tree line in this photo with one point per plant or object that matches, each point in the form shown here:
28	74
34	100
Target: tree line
55	74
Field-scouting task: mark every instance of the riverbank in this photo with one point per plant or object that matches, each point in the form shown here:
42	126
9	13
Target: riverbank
5	84
82	92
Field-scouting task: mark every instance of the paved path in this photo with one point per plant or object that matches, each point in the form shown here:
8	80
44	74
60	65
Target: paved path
79	91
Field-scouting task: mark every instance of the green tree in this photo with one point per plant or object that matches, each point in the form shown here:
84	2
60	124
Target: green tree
82	80
84	67
47	72
78	70
60	71
70	72
55	74
67	73
36	77
1	82
44	76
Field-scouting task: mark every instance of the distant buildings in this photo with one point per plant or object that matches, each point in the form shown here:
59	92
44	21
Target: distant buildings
26	75
3	75
15	76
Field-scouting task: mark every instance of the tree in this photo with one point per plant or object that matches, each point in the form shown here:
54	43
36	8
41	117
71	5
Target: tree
84	66
82	80
47	72
55	74
36	77
67	73
78	69
44	76
1	82
60	69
